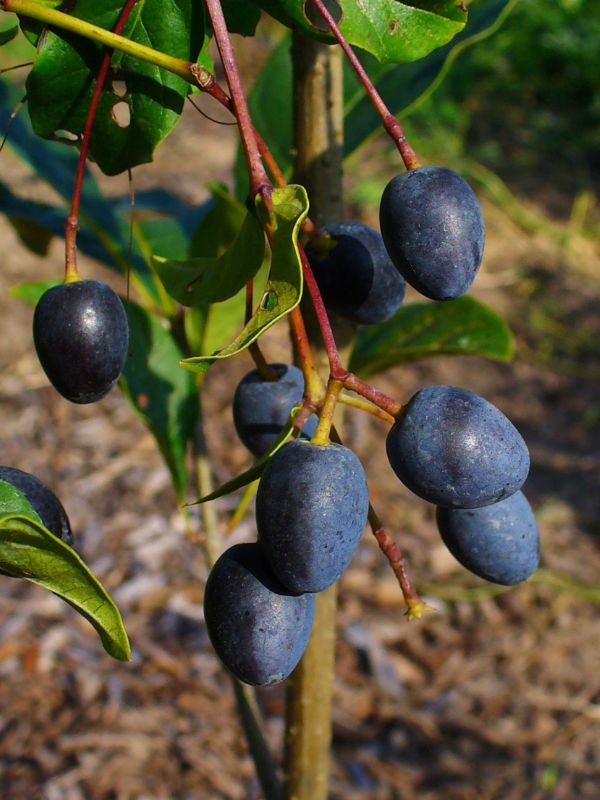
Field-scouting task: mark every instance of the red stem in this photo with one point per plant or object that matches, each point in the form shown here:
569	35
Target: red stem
392	552
259	180
390	123
335	362
355	384
72	223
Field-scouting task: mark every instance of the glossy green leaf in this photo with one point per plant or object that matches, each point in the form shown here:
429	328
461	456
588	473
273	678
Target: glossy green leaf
199	281
29	551
8	35
284	286
12	502
420	330
211	327
140	103
391	30
402	87
162	394
256	470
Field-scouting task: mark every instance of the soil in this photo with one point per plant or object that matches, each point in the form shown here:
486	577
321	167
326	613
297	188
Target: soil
495	696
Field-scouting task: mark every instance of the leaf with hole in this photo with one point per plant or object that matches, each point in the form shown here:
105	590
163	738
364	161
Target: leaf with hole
29	551
284	286
140	102
420	330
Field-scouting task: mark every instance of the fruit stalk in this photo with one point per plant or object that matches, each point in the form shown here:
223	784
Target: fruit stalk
327	411
72	222
390	123
415	607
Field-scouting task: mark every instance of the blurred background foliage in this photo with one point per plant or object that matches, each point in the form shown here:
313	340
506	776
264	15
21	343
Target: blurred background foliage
526	104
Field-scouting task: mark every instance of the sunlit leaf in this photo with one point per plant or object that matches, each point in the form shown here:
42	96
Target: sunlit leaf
29	551
420	330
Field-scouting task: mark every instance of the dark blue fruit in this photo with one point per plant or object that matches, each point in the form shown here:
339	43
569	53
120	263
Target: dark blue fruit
43	501
261	408
81	336
456	449
356	277
499	542
311	509
433	229
258	629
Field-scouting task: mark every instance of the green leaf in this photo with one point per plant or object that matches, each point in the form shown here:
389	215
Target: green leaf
60	85
420	330
284	286
31	293
199	281
218	228
256	470
12	501
240	17
162	394
29	551
8	35
392	31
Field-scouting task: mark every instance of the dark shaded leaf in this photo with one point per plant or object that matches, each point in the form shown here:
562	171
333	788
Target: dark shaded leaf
162	394
241	17
201	281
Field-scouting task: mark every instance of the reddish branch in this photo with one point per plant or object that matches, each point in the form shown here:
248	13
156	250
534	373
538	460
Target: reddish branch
390	123
72	224
415	606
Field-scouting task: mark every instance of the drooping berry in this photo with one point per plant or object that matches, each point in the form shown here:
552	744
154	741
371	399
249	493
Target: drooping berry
433	229
261	408
257	627
311	509
356	276
500	543
456	449
81	337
